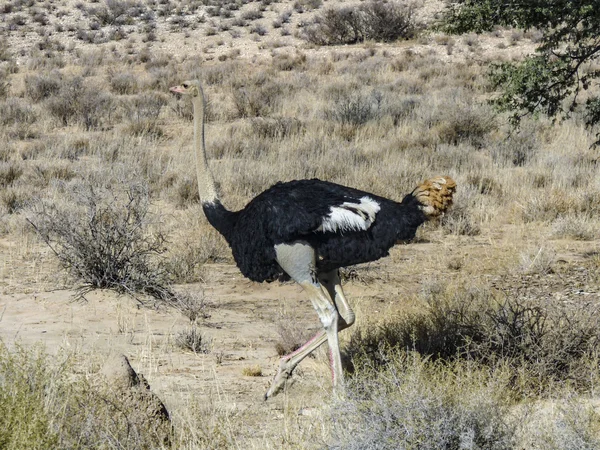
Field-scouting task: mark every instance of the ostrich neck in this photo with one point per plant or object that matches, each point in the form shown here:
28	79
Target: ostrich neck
206	183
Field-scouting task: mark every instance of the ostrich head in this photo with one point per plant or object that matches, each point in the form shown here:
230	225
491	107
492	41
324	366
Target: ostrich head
188	87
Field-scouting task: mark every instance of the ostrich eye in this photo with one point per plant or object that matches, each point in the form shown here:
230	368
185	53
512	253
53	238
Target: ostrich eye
186	85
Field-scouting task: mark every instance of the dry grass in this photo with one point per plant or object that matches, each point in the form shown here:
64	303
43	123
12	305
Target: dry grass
252	371
379	118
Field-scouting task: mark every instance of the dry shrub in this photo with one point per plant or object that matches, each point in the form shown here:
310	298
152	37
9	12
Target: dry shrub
194	340
4	84
16	111
288	62
40	87
118	12
376	20
552	204
44	173
519	148
24	391
187	193
542	344
9	173
13	199
5	51
257	100
123	83
102	239
415	403
355	108
186	261
485	185
192	305
77	104
578	227
143	111
569	423
538	260
459	221
277	128
252	371
458	123
292	335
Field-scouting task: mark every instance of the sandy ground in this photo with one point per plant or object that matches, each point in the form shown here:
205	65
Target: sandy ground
242	323
243	319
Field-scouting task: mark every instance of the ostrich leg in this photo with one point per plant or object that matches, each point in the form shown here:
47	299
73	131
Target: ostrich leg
333	287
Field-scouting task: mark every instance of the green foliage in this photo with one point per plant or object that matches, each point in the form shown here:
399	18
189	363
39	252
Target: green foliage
24	392
552	80
45	405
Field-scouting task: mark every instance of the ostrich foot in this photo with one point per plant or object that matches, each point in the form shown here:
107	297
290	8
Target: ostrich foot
281	377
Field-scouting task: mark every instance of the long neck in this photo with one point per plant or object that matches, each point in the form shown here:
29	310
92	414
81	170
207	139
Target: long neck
206	183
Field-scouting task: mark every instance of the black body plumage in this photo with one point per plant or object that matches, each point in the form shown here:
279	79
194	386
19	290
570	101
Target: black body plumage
295	210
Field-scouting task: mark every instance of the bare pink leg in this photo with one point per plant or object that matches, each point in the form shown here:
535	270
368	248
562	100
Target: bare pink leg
288	363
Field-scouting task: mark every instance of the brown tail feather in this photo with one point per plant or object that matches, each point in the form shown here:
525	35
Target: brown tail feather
435	195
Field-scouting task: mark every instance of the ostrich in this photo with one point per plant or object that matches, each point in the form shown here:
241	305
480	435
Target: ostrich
308	229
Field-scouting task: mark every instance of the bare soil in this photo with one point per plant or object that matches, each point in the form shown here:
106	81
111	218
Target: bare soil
243	318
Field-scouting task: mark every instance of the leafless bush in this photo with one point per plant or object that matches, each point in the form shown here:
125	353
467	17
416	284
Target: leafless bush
101	238
40	87
292	335
413	403
336	26
118	12
468	123
193	339
143	111
376	20
5	53
76	103
252	14
259	30
563	424
459	221
92	36
538	260
307	5
257	101
540	343
277	127
192	305
518	149
355	108
16	111
289	62
9	173
123	83
187	193
13	199
575	227
4	84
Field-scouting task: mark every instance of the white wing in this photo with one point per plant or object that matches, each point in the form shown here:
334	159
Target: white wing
351	216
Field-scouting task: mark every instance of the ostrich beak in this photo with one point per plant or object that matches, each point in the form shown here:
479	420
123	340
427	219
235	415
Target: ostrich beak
177	89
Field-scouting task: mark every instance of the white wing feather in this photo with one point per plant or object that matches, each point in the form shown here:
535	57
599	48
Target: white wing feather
351	216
